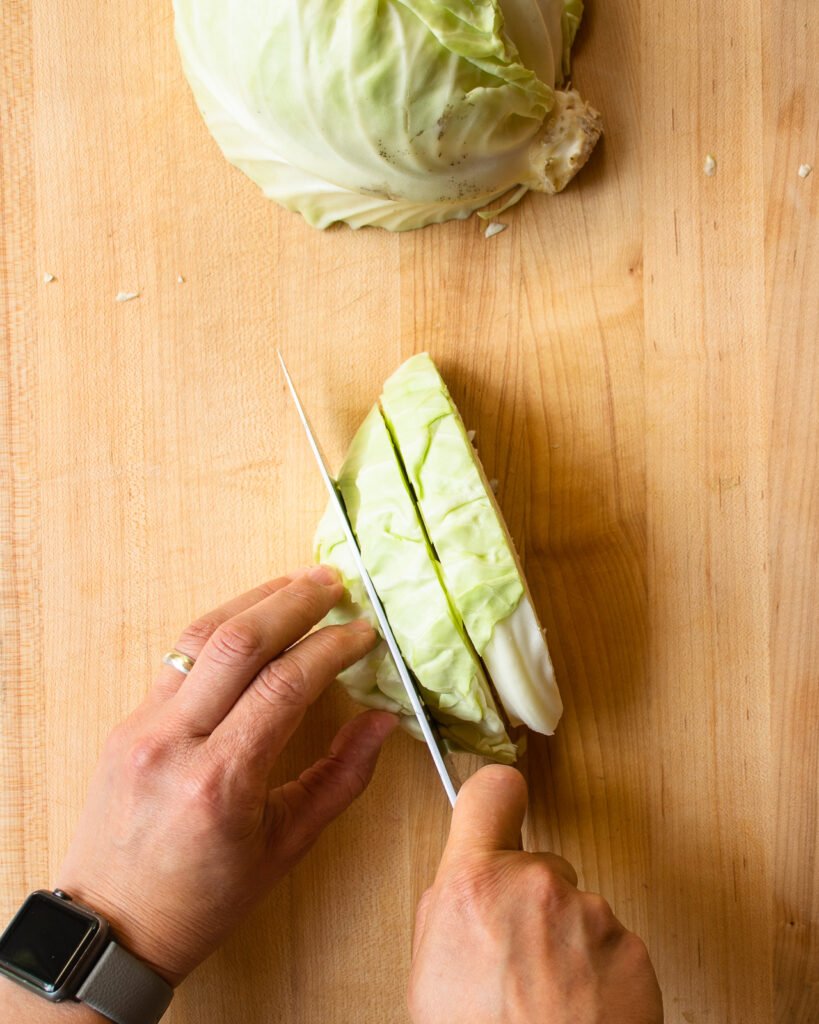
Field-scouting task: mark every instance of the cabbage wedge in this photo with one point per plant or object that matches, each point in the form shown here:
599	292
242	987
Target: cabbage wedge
407	577
479	563
435	543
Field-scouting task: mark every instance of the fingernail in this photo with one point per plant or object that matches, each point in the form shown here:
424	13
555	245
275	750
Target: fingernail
324	575
361	626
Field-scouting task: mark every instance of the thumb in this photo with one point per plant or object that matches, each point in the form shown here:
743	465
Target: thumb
488	813
328	787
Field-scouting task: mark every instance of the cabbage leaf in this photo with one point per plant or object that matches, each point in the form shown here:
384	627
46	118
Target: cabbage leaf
397	113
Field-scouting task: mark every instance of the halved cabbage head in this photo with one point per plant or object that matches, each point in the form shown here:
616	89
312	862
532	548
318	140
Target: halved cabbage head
396	113
439	554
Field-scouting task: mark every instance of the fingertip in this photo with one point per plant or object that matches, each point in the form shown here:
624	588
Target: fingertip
381	724
490	809
502	780
357	637
325	575
366	733
362	626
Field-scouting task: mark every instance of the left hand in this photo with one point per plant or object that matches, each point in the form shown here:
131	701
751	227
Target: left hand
182	833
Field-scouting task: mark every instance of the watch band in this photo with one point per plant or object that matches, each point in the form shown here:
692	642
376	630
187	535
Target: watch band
124	989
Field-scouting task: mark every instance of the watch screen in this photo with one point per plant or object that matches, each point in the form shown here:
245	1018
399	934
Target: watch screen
44	939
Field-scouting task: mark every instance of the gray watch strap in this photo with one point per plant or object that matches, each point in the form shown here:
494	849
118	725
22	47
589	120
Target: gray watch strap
124	989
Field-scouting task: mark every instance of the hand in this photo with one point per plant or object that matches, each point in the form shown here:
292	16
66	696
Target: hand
182	834
505	936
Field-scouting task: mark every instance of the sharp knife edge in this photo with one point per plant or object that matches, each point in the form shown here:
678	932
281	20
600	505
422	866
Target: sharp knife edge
429	731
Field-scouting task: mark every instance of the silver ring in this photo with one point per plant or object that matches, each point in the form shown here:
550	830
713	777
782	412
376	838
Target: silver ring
181	662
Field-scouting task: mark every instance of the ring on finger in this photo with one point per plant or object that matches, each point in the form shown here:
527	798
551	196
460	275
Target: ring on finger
181	662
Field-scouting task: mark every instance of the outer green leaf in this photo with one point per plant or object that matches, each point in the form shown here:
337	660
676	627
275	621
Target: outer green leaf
407	578
391	112
478	561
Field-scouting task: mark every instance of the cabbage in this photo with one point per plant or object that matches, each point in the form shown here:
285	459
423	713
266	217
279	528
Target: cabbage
479	565
397	113
407	578
440	556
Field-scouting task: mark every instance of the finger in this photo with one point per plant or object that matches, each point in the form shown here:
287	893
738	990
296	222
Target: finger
488	813
557	865
329	786
243	645
197	634
421	921
271	708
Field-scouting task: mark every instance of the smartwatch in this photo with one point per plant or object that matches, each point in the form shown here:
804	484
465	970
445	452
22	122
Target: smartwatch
62	950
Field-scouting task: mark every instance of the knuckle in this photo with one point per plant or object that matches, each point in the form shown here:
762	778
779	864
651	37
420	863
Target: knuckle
633	947
474	885
545	885
235	642
599	917
146	754
269	587
196	635
333	647
325	778
597	907
307	596
352	779
204	790
282	683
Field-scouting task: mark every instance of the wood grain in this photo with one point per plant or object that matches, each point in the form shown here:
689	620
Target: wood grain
639	358
792	288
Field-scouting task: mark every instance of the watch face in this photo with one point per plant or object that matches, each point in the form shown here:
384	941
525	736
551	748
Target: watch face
46	939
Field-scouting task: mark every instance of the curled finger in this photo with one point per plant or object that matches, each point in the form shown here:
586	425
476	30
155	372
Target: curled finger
273	704
323	791
194	637
241	647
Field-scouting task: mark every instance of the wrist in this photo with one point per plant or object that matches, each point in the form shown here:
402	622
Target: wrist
18	1004
131	928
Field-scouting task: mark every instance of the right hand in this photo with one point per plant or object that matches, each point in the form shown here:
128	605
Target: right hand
506	937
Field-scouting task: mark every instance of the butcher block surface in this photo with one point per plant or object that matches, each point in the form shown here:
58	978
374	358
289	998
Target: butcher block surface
640	359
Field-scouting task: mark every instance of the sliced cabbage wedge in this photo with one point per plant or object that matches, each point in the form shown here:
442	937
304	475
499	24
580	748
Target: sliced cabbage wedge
435	543
477	557
407	577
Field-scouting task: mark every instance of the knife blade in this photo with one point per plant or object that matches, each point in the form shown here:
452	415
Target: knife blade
427	725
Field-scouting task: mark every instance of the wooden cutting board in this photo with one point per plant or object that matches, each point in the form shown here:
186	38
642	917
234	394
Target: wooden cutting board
639	358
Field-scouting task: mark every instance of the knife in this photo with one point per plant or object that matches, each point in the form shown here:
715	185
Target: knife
426	723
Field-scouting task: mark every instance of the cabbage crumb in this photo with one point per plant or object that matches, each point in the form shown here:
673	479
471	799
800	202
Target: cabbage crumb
710	166
126	296
48	278
804	170
494	228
